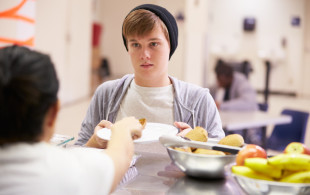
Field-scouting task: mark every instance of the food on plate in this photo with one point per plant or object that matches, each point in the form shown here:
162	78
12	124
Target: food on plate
250	151
142	122
297	147
199	151
209	152
183	149
261	165
197	134
232	140
284	167
200	134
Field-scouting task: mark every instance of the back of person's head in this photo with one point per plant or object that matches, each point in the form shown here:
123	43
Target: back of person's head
144	18
223	69
28	88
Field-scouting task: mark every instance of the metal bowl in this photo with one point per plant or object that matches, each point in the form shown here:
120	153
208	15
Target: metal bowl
257	186
200	165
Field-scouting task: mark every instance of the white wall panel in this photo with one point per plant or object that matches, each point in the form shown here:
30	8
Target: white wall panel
63	30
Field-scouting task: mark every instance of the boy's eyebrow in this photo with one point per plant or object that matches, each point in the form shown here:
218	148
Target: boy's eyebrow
152	39
155	39
132	40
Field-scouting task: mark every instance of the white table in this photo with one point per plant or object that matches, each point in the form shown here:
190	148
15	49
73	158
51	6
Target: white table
246	120
236	120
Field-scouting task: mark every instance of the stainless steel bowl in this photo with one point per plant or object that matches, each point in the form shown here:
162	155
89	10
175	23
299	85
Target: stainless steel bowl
260	187
200	165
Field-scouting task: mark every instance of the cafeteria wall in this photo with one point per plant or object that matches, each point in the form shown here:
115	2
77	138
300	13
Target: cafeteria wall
63	30
210	29
274	39
213	29
306	64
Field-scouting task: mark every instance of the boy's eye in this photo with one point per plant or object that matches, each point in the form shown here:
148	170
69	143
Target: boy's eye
154	44
135	44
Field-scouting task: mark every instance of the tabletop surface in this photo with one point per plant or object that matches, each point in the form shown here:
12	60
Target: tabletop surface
154	173
236	120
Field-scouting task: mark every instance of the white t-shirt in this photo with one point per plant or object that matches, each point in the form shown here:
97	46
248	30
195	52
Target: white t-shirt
43	169
155	104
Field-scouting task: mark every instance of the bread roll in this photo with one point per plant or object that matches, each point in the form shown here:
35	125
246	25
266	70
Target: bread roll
197	134
210	152
183	149
232	140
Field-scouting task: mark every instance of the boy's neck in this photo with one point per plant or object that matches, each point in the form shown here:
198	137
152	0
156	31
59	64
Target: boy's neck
152	82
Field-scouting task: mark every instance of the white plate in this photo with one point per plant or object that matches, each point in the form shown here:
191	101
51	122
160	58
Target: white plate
151	132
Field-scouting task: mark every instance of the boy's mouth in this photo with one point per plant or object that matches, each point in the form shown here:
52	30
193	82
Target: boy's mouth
146	65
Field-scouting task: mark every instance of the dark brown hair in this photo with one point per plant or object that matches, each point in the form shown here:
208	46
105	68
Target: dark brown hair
141	22
28	88
223	69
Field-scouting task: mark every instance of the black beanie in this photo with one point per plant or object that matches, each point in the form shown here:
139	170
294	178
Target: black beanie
168	20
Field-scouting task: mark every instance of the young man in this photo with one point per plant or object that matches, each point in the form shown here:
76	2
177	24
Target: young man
150	35
29	106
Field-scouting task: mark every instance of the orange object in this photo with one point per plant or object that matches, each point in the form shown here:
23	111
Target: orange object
12	13
28	42
250	151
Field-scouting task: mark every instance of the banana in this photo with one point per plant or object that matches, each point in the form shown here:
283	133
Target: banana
299	177
286	173
291	161
261	165
248	172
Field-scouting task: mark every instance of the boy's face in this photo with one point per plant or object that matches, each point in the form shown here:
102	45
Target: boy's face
149	55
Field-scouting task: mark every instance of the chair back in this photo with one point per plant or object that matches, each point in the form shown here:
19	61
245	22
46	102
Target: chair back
284	134
263	107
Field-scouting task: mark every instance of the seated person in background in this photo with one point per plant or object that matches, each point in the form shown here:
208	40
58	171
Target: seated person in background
150	35
29	106
234	92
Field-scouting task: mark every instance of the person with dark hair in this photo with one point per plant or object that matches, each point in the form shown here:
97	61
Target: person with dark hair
238	92
29	106
150	35
233	92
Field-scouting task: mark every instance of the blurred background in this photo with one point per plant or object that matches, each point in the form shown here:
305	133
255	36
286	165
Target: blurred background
83	37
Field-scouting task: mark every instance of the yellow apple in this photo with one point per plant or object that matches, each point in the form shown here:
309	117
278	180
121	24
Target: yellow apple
297	147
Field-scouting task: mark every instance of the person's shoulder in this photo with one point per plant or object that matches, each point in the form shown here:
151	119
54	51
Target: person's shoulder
191	87
114	81
92	154
189	91
239	76
113	84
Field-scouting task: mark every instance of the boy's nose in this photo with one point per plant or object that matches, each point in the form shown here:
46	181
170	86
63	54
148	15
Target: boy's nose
145	54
